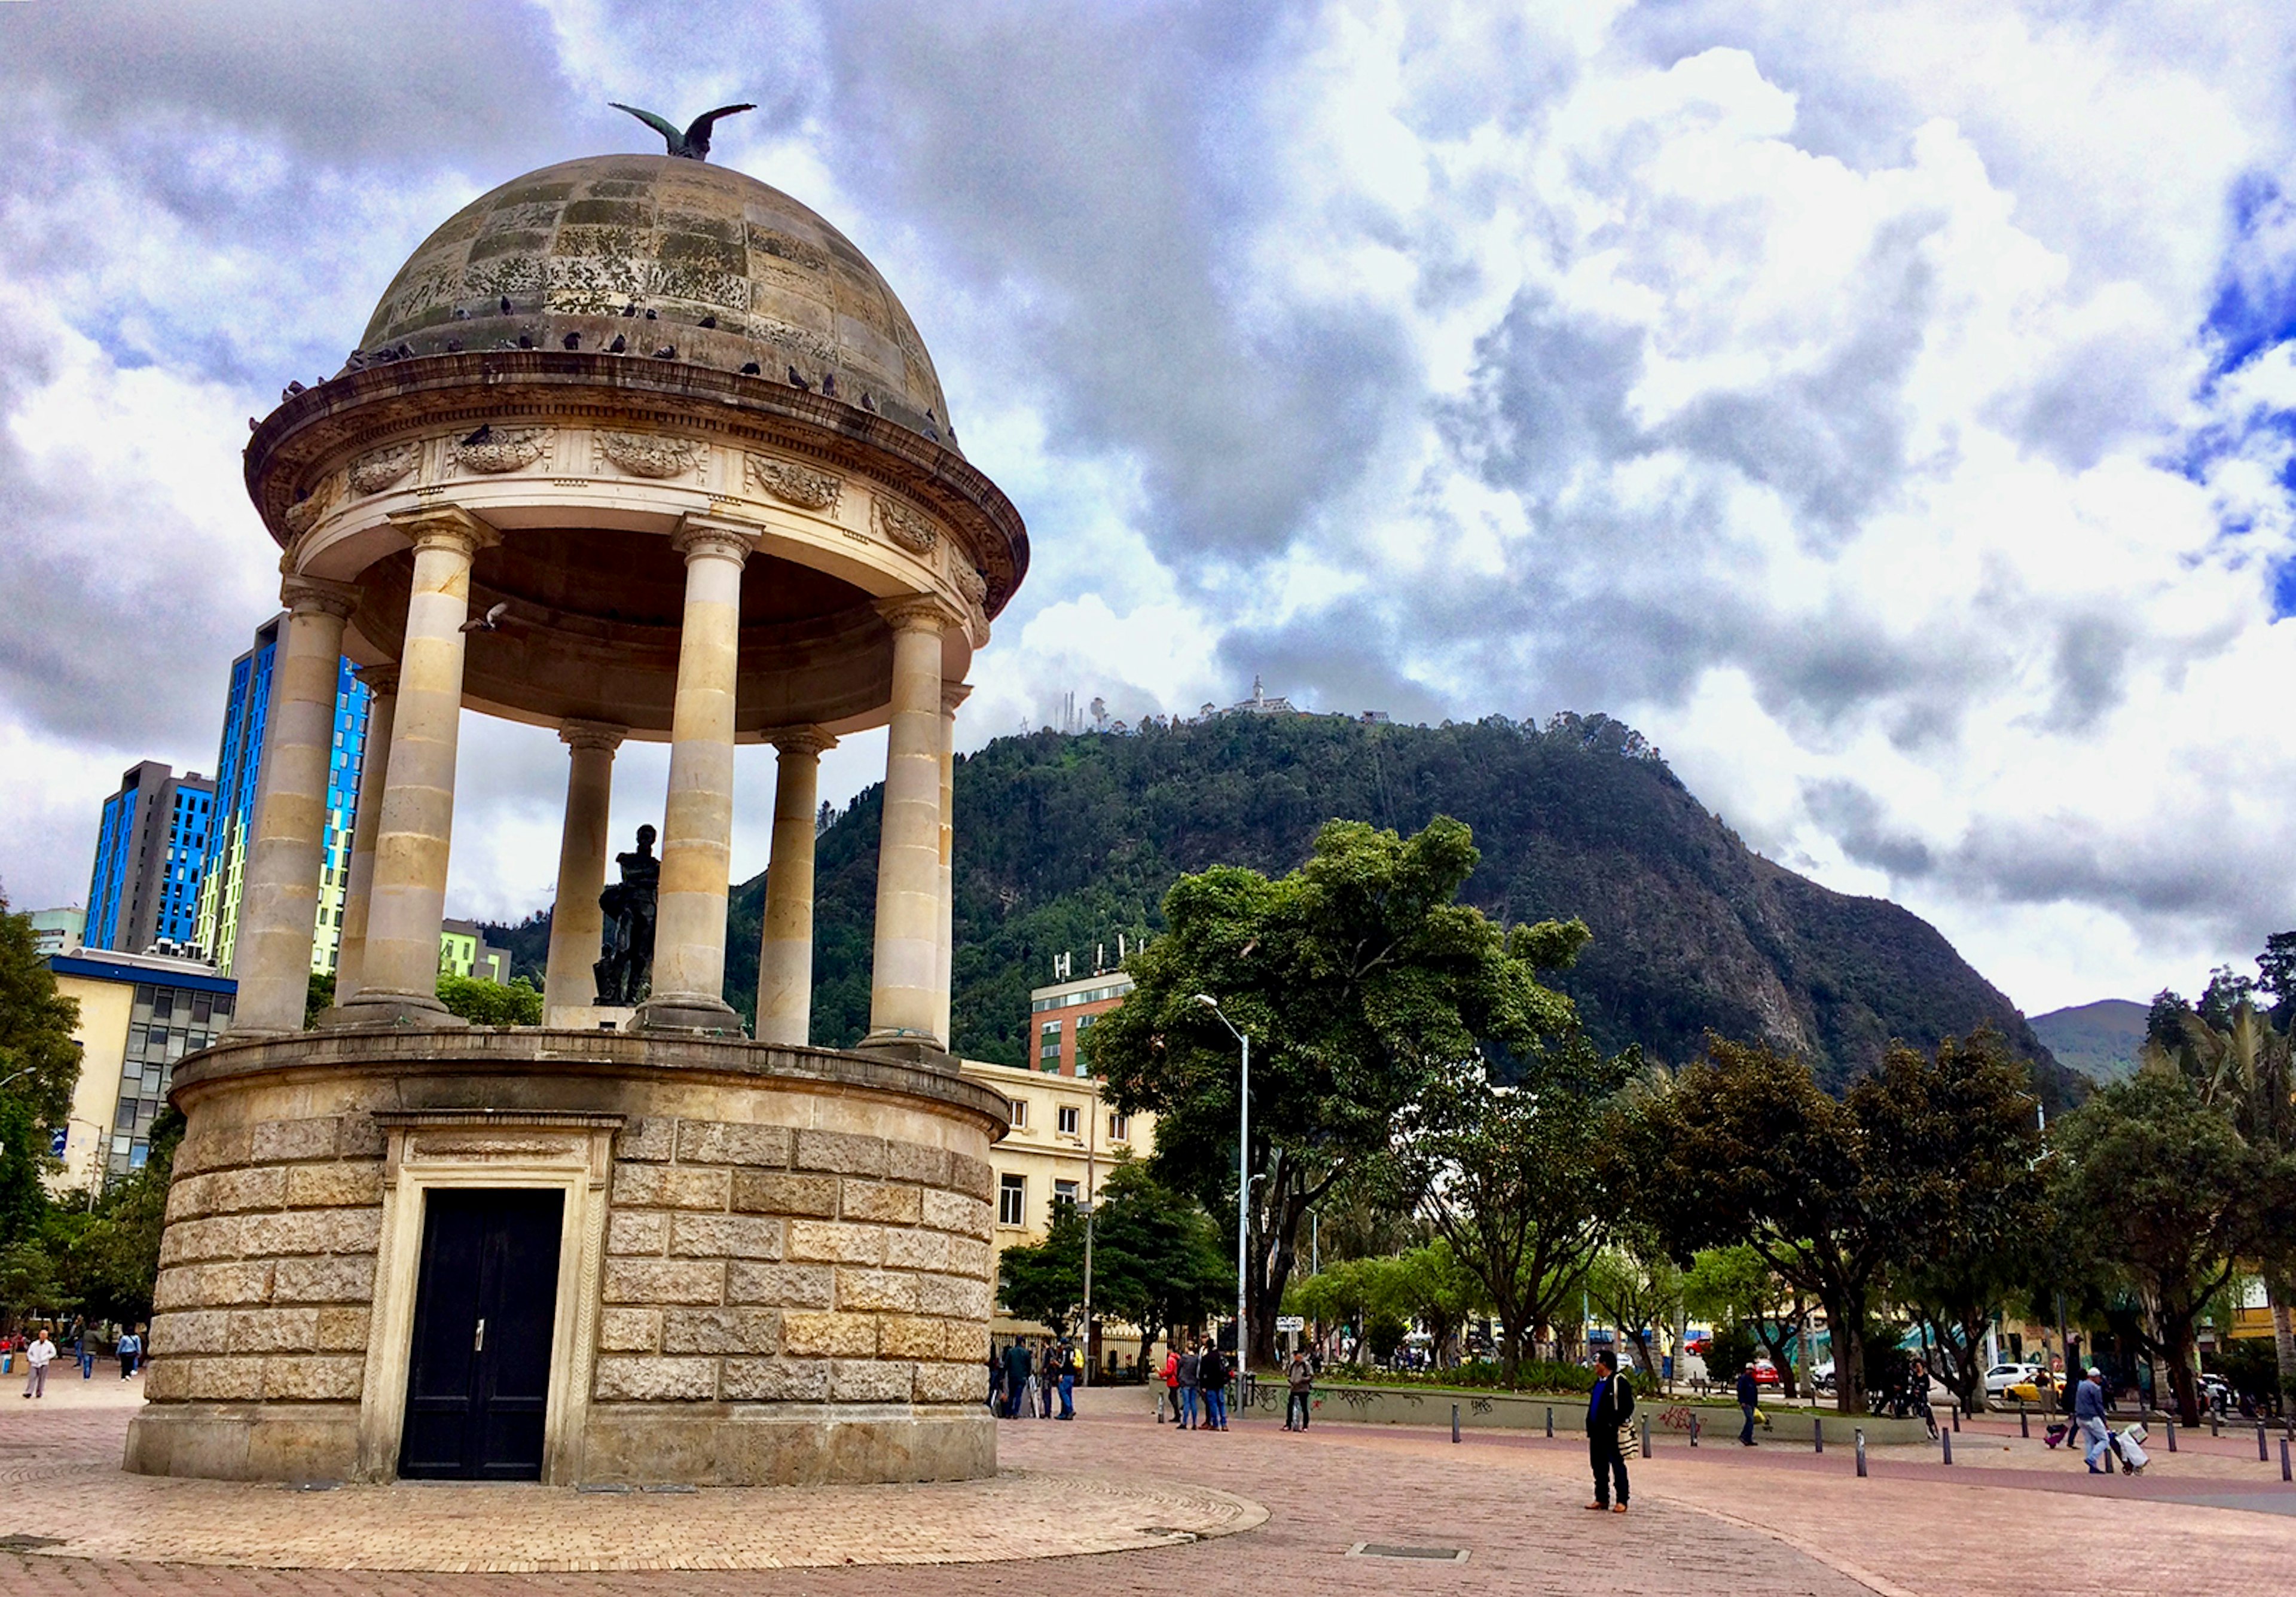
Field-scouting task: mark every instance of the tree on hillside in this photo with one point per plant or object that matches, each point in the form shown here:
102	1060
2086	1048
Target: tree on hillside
1743	1147
1961	1129
1513	1174
2170	1197
1358	977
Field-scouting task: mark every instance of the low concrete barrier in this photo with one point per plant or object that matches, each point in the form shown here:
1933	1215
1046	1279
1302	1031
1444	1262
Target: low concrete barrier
1717	1424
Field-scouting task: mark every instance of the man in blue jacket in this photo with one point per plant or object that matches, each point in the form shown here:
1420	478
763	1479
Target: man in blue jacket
2088	1414
1612	1406
1750	1398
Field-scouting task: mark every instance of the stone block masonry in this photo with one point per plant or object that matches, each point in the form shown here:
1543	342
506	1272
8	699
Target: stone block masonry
755	1263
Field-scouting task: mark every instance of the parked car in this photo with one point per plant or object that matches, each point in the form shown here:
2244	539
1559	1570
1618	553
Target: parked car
1999	1379
1822	1375
1766	1373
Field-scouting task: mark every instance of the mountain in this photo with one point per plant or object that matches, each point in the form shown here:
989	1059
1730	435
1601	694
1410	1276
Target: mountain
1065	841
2100	1040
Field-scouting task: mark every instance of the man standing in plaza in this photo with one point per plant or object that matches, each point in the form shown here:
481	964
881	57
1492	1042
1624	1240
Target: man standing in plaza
1017	1362
1612	1406
1750	1398
1064	1369
2088	1414
39	1355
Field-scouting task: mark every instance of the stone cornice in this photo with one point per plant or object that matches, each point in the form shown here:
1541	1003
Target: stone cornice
700	538
918	612
382	681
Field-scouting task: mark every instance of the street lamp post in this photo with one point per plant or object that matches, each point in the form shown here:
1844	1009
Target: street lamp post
1243	1183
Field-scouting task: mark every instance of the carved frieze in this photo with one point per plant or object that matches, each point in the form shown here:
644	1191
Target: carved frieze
650	454
378	469
793	484
494	450
969	582
905	527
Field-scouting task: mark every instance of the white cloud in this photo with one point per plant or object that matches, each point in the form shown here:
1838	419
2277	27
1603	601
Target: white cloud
1833	395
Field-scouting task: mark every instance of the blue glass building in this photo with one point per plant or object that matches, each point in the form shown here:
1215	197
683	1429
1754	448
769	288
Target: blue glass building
151	854
239	780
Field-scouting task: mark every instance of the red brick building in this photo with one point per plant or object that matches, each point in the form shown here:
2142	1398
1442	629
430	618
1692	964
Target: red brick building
1059	1016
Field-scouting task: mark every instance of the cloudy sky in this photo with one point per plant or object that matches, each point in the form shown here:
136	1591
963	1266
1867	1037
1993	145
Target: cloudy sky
1888	408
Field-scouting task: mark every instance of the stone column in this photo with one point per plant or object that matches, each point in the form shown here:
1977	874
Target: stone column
785	944
399	968
280	904
903	1005
577	923
697	819
374	770
951	695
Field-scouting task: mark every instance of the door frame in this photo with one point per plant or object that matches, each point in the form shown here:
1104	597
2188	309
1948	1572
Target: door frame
568	1151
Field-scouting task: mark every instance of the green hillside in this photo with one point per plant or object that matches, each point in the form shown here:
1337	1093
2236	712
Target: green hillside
2100	1040
1065	841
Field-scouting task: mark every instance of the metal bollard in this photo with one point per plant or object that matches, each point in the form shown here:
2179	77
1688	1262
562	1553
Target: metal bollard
2172	1436
1647	1452
2283	1460
1817	1434
1550	1424
1947	1437
2024	1421
1454	1423
1957	1416
2262	1457
1861	1452
1693	1431
2212	1424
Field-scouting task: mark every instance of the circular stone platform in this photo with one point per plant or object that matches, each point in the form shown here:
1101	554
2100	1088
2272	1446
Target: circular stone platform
100	1513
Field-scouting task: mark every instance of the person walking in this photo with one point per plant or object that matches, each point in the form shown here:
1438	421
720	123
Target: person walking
1191	1367
1064	1369
1211	1375
1171	1393
2088	1415
38	1355
1017	1362
995	1380
1750	1398
1610	1406
1302	1379
131	1352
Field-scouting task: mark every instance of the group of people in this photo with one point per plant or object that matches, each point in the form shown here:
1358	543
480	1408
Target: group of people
38	1350
1022	1385
1195	1386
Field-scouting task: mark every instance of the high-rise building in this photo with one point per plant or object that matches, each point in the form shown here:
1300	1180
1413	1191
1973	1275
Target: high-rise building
151	848
54	930
239	782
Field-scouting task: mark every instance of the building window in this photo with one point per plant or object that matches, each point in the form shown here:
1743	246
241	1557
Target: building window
1070	1119
1064	1192
1012	1200
1020	1108
1120	1128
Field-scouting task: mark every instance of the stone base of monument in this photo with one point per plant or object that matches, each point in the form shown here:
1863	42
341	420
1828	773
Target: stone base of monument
576	1256
590	1017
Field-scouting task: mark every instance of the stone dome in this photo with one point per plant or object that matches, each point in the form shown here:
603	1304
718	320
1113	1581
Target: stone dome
663	254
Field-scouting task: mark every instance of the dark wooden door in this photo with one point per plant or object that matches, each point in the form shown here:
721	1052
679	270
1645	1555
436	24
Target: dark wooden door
479	1373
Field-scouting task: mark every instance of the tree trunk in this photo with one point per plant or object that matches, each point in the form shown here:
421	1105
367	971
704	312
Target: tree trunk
2283	1335
1848	1332
2183	1354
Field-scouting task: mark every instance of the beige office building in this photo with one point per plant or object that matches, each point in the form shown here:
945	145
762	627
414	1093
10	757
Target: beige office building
138	1014
1063	1143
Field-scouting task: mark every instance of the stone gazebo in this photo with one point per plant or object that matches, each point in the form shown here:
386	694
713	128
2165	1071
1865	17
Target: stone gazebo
635	446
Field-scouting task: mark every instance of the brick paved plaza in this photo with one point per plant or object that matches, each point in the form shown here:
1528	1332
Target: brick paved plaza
2008	1517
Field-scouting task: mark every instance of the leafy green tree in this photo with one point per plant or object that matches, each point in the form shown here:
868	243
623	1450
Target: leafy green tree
1156	1261
1429	1284
1513	1174
39	1062
1961	1128
1638	1289
2242	1062
1743	1147
1359	976
517	1002
2167	1191
318	997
